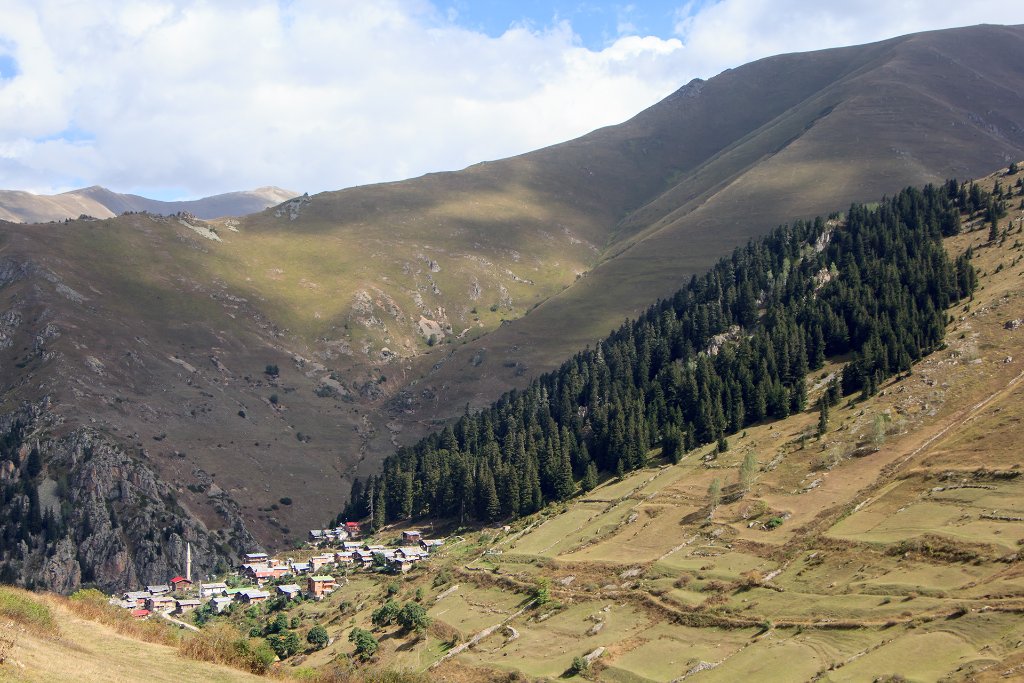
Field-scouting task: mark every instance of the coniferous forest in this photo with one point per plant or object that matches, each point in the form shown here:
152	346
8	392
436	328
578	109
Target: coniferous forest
730	349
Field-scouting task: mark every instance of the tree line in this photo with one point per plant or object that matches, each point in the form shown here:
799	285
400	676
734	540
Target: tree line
730	349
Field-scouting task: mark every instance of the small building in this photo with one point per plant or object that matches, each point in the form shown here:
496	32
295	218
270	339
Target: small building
351	545
363	557
159	589
301	567
261	576
319	586
250	558
411	536
409	553
289	590
403	565
318	561
160	603
221	603
180	583
431	545
208	590
182	606
353	529
343	558
253	596
136	598
140	613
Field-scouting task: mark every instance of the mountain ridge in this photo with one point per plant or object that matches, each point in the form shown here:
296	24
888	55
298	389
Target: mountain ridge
96	201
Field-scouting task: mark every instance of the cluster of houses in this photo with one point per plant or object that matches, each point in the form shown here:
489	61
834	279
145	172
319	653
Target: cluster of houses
259	569
349	531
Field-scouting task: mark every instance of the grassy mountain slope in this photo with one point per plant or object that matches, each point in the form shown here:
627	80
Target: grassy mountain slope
889	546
44	638
99	202
891	114
390	307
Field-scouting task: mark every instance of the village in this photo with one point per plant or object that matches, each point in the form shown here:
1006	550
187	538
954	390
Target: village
259	577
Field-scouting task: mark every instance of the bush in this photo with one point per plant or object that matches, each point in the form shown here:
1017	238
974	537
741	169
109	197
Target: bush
25	609
579	666
386	614
542	593
317	637
221	643
413	617
366	644
285	644
271	370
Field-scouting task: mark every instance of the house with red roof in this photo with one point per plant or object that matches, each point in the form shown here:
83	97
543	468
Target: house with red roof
180	583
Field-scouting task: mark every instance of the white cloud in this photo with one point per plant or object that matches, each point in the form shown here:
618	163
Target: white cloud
313	95
733	32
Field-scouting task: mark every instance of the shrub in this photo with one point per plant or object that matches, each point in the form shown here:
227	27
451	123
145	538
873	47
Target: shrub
221	643
366	644
413	617
285	644
317	637
25	609
386	614
542	593
579	666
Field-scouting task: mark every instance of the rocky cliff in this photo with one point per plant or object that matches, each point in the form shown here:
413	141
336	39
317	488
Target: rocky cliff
76	509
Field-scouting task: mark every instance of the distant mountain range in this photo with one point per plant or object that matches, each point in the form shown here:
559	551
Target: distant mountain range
99	202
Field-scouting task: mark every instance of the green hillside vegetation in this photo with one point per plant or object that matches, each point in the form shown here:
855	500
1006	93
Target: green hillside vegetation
732	349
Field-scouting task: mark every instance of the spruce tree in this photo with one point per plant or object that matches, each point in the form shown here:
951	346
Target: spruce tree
823	415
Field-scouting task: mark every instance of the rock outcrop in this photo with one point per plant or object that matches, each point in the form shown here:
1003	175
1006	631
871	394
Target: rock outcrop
111	522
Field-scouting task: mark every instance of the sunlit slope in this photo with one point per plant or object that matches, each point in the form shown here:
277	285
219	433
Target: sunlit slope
903	112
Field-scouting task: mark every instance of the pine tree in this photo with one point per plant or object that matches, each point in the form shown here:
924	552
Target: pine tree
589	481
378	512
823	415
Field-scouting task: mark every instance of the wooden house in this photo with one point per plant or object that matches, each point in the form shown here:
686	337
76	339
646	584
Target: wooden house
180	584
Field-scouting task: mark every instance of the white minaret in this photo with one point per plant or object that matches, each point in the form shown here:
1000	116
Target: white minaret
188	561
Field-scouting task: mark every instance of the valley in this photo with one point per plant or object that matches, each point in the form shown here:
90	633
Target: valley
885	545
236	363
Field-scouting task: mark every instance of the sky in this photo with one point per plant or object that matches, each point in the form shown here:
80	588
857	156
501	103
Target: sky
177	99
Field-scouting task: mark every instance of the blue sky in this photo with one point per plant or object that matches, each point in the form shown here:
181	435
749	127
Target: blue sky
597	24
185	98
